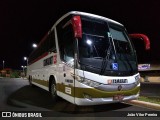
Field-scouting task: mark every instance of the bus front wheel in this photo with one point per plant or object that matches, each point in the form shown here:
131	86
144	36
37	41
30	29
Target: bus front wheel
53	90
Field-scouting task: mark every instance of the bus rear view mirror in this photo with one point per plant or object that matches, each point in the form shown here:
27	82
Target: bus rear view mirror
143	37
77	26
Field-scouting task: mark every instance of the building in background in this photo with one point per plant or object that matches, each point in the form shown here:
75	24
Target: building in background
6	72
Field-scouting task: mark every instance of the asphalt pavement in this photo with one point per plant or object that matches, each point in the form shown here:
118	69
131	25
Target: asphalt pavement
18	95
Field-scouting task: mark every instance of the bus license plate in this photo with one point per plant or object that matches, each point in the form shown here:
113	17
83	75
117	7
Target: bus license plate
118	97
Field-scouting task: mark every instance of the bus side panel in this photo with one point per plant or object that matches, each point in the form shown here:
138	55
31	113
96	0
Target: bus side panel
66	82
40	71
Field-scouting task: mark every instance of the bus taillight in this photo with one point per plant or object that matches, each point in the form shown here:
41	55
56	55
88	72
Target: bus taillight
77	26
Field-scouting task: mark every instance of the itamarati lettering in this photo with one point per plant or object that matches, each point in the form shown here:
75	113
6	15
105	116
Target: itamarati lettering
119	81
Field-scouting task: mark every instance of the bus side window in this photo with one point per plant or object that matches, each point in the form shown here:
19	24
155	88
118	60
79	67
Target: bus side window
52	44
65	40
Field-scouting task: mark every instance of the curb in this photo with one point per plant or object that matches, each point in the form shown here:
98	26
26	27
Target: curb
144	104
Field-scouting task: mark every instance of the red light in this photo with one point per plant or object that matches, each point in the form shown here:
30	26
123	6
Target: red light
55	59
77	26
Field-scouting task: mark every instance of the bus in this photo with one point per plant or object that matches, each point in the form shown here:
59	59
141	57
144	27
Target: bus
86	59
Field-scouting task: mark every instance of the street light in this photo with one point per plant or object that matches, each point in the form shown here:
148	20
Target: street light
23	69
34	45
26	59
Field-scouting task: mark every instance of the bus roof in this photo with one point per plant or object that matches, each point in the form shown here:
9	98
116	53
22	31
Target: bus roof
85	14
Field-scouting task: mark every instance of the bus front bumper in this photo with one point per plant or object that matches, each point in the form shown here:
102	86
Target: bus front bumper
97	101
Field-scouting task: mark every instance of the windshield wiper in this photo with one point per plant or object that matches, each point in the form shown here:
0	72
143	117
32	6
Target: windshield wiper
105	60
97	57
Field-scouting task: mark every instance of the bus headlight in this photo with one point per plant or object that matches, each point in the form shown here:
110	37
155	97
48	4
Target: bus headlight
137	79
89	82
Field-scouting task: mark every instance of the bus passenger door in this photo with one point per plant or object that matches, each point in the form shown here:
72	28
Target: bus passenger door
66	64
66	71
67	82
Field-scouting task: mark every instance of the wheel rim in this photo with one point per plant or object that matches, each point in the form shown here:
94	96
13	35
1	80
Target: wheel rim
53	89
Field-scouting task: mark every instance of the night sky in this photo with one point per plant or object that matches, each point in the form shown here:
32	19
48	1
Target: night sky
23	22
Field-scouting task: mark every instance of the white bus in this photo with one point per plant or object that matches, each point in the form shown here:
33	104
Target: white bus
87	60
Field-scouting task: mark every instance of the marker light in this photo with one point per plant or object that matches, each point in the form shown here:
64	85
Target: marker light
77	26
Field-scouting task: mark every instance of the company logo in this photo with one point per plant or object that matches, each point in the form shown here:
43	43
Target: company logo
119	87
114	66
6	114
119	81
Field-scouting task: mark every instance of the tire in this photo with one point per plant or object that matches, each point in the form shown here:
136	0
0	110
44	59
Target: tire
53	90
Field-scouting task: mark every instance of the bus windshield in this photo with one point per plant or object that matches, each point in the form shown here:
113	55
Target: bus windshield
121	42
104	44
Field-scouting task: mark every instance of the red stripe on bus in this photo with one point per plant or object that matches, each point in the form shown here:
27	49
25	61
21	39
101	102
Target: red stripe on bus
38	58
43	39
